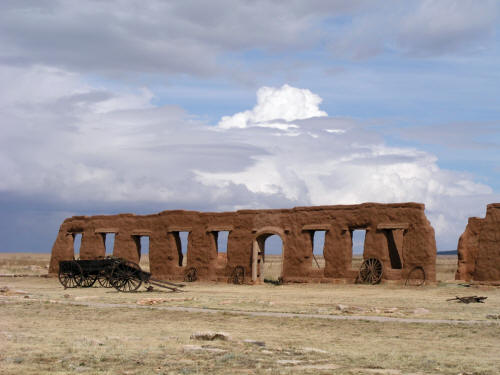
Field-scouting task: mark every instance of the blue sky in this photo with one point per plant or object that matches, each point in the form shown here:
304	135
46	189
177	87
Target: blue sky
126	106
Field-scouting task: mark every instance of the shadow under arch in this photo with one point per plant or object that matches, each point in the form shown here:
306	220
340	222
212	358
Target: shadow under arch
258	250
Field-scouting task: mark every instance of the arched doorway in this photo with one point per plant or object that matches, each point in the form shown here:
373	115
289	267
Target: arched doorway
268	242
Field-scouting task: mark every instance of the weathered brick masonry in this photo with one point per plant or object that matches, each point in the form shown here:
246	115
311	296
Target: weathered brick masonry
398	234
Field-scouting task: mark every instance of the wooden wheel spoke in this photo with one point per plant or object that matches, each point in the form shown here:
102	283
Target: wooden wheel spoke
126	276
371	271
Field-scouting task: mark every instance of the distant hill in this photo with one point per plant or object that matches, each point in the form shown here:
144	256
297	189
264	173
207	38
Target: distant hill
447	252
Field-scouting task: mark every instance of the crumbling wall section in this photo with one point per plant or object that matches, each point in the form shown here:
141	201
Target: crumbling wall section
397	234
479	248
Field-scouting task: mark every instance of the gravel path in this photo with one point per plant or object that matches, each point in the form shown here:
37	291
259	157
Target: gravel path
200	310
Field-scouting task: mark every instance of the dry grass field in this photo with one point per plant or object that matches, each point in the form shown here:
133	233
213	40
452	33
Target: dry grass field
45	329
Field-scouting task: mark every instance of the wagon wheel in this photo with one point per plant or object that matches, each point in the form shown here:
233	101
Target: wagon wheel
371	271
104	279
191	275
71	278
416	277
87	280
126	276
238	275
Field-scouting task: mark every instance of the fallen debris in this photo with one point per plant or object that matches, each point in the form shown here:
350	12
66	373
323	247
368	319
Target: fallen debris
150	301
196	348
469	299
350	309
191	348
5	290
493	316
156	301
274	282
326	366
390	310
288	361
420	311
314	350
254	342
210	336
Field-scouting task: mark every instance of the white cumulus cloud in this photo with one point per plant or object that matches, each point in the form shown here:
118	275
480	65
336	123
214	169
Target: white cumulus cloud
273	104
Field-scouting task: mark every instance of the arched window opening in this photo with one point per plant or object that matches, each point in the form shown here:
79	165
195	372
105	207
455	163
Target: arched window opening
268	257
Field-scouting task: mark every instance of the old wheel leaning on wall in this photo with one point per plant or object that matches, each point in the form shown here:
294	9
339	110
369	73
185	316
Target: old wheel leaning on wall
238	275
416	277
371	271
191	275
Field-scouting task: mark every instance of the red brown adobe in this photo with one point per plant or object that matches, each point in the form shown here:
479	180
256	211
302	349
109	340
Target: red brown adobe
479	248
398	234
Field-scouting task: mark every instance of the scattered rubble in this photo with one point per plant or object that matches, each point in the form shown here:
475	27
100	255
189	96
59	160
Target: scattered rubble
288	361
196	348
210	336
420	311
390	310
6	291
326	366
254	342
350	309
191	348
314	350
150	301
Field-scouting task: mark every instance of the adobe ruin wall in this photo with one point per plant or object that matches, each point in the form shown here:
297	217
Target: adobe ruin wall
479	248
399	235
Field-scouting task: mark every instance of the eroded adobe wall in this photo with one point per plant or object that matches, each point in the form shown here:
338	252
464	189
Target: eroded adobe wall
402	226
404	222
479	247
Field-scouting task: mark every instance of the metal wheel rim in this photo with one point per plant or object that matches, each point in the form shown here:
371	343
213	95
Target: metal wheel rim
416	277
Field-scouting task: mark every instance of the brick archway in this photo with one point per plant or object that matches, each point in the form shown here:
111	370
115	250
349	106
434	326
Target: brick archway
258	250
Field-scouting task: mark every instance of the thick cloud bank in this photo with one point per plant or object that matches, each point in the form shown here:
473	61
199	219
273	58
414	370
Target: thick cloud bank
116	37
68	147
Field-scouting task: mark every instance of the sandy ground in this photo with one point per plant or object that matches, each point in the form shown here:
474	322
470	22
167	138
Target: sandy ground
298	328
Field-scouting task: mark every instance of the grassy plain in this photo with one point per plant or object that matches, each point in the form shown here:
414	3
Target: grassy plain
44	330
